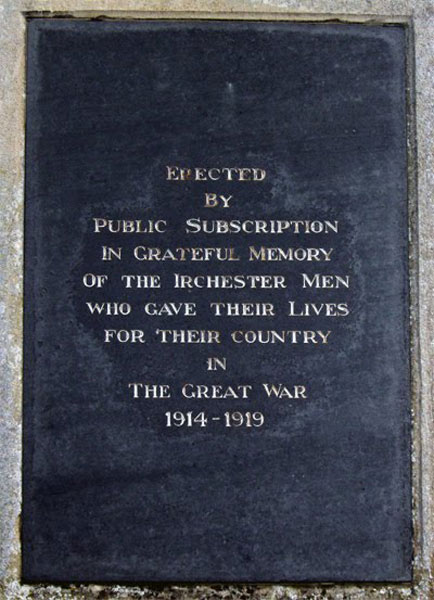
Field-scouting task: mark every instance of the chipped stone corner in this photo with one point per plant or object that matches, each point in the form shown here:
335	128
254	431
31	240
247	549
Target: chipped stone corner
419	17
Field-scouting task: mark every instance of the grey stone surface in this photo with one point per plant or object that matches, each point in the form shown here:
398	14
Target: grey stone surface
419	14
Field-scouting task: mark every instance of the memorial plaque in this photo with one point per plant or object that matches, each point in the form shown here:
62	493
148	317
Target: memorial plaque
216	381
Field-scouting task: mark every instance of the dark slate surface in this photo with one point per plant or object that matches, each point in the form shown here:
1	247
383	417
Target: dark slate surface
322	491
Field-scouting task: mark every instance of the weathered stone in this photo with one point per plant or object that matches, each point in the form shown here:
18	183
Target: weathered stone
419	15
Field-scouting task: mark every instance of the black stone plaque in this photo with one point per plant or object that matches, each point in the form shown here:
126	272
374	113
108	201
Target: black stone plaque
216	380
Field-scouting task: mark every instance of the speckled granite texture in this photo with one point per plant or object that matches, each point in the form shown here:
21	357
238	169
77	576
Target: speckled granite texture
419	16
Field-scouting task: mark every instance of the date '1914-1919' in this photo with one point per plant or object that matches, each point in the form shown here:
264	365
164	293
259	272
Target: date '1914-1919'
200	419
